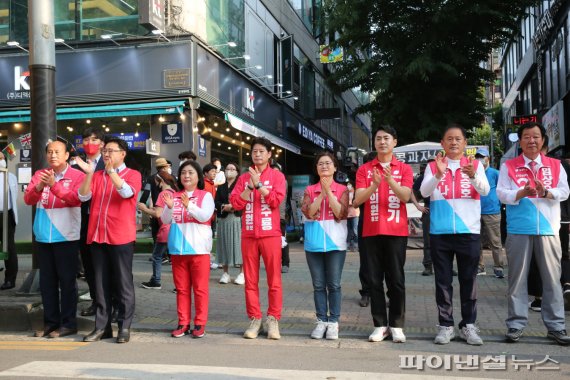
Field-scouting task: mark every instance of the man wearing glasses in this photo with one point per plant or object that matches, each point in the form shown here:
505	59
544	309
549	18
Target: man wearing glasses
112	233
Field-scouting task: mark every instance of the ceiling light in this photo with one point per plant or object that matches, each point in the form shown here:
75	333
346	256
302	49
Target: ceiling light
161	119
219	144
124	119
229	148
242	143
88	121
138	124
137	134
233	141
215	124
227	129
222	135
122	133
232	44
209	129
107	129
247	137
13	43
62	41
237	133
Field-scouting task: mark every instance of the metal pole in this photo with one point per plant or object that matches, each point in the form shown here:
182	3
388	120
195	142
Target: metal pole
42	95
5	208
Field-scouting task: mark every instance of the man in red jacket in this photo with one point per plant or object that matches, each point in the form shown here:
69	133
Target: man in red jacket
259	192
112	234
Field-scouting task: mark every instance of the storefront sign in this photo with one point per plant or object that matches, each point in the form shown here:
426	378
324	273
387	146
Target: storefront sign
152	147
135	141
311	135
25	155
151	14
520	120
201	146
176	78
172	133
553	122
21	87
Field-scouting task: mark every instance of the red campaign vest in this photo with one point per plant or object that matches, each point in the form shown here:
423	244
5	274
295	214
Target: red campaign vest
179	213
548	173
457	186
384	213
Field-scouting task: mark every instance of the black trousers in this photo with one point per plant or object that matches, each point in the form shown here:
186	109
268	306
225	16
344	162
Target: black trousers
284	251
443	249
363	270
113	268
12	262
386	259
85	252
58	283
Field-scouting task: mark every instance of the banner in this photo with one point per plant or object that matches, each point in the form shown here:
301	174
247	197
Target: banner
330	55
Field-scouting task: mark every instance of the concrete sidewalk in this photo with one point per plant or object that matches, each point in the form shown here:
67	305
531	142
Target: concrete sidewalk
156	309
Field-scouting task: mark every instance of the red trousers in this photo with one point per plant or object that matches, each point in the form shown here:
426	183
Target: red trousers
269	248
191	273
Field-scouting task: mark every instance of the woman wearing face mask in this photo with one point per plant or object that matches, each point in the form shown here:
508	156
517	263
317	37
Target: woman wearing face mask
229	227
220	178
167	184
190	242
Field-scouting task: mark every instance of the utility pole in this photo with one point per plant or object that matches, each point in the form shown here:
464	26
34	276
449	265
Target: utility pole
42	97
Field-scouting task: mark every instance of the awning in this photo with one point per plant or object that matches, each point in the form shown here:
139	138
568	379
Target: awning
241	125
109	110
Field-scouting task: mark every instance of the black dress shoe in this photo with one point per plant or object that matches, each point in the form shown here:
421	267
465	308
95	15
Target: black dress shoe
7	285
364	301
124	335
61	332
89	311
97	335
45	332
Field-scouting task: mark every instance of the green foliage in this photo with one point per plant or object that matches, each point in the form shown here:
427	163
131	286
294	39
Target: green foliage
420	58
481	135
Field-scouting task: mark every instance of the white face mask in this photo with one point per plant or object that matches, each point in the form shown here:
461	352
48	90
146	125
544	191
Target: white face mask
2	163
169	170
181	162
218	167
231	175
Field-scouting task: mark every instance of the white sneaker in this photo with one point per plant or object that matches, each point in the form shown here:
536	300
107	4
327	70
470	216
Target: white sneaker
85	297
332	331
379	334
444	335
273	328
319	330
470	334
397	335
253	330
240	279
213	265
225	278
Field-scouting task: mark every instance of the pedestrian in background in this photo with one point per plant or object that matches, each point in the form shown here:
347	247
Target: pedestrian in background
112	235
166	183
57	226
490	217
189	212
384	185
12	261
259	192
325	206
532	186
285	260
455	184
228	246
220	177
414	196
352	219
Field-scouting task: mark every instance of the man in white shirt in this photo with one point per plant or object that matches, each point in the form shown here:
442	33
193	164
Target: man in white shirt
12	261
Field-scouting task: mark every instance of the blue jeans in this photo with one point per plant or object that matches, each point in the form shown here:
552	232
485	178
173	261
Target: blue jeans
352	239
326	271
157	253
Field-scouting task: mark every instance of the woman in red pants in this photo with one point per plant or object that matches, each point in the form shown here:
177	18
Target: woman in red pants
189	242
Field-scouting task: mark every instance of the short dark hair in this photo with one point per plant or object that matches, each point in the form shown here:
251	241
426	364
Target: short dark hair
324	153
198	169
187	155
97	131
455	126
386	128
121	143
530	126
208	167
369	156
261	141
215	159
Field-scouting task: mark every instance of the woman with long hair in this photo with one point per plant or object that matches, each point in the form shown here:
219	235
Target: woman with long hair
189	212
325	206
166	183
229	227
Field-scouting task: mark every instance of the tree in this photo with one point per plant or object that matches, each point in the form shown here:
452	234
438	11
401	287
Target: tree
420	58
481	135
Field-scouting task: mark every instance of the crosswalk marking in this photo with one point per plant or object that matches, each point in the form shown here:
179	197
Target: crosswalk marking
41	345
86	370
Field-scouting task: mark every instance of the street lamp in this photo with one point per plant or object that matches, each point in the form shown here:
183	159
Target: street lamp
247	57
230	44
16	44
62	41
160	33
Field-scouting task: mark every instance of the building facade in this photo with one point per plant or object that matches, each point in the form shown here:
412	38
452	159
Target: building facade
535	69
172	75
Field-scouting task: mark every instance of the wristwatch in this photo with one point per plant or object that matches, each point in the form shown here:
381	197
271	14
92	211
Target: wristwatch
259	185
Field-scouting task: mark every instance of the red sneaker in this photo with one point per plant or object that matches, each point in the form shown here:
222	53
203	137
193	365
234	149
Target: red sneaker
180	331
199	331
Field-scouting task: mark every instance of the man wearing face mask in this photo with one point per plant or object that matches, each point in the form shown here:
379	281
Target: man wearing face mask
162	166
220	176
11	262
490	217
92	145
